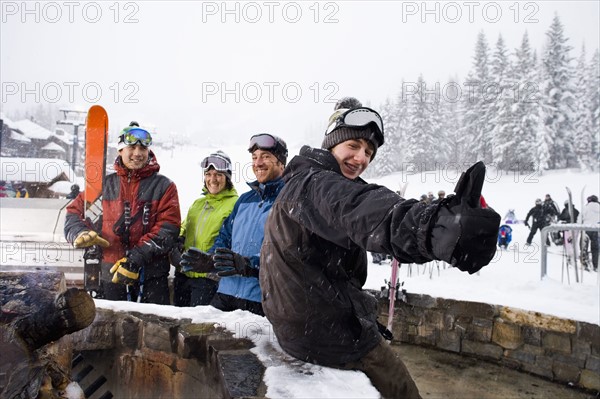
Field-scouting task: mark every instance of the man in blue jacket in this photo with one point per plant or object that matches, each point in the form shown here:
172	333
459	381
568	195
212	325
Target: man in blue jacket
237	247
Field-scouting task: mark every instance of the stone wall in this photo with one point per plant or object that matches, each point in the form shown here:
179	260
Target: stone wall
139	355
565	351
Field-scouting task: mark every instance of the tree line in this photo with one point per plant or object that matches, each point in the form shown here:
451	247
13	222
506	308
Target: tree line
515	110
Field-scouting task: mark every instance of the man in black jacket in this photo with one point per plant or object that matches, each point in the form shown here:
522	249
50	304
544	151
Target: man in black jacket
316	238
538	220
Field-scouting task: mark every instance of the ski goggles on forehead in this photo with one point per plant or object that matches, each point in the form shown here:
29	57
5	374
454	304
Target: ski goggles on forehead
220	164
267	142
356	117
137	135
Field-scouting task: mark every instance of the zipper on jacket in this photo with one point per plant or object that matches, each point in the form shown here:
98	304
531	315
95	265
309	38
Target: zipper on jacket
204	214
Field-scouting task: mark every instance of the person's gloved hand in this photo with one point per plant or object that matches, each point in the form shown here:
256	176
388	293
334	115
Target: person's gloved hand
176	252
194	260
87	238
230	263
125	271
460	231
527	224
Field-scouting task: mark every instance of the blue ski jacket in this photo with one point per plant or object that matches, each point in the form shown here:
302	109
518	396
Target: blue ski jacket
243	232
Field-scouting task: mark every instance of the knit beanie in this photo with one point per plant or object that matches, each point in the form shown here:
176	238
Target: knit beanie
346	133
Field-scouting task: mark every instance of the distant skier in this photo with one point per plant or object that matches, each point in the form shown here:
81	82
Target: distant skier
565	215
504	236
550	210
590	215
510	217
538	220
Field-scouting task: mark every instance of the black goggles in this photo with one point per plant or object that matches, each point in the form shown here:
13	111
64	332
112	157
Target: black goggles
266	142
133	136
219	163
356	117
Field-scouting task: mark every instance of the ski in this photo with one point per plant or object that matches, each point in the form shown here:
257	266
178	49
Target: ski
394	284
96	136
573	236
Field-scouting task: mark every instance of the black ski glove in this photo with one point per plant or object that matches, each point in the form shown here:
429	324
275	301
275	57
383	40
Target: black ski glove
194	260
230	263
459	230
176	252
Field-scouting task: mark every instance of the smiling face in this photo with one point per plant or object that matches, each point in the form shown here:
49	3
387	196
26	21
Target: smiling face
134	156
215	181
266	166
353	156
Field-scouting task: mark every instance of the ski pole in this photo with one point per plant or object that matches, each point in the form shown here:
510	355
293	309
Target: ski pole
141	290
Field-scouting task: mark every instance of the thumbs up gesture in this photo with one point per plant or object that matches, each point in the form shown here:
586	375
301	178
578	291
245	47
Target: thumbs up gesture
462	232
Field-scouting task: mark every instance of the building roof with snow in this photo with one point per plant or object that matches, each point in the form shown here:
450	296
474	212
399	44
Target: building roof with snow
31	129
53	147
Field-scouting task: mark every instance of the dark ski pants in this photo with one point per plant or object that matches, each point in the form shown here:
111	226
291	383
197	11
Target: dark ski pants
534	228
155	290
193	291
594	247
387	373
228	303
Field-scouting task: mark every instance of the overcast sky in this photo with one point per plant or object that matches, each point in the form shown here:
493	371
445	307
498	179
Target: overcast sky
222	71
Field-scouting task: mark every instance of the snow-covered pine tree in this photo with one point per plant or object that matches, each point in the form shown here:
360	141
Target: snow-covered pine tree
525	109
558	98
388	156
503	145
423	128
594	105
451	145
583	134
476	109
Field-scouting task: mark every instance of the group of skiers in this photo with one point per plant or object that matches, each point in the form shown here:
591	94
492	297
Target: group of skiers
547	212
293	248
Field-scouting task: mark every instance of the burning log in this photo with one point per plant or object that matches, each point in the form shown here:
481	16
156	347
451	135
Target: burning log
35	310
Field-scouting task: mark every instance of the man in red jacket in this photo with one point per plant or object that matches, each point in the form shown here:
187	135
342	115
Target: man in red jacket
139	224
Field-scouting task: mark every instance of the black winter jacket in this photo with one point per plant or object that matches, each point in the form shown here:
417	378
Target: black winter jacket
565	215
537	213
314	259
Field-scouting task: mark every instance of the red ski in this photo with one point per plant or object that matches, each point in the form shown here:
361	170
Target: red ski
96	136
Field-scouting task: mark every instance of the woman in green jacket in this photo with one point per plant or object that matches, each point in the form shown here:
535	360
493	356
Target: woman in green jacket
201	227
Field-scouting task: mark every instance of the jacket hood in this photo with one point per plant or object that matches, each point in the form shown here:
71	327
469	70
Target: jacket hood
151	167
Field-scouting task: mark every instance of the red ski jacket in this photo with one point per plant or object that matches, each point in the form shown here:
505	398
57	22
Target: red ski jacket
154	217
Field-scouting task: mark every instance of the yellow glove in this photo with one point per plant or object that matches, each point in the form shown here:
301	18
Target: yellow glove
125	272
87	238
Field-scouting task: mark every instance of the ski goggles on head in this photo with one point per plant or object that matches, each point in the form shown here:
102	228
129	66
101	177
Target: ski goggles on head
356	117
136	135
265	141
219	163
